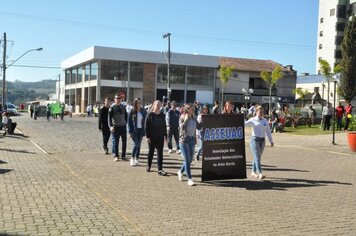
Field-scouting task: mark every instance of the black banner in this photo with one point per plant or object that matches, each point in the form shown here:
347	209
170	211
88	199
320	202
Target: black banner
224	154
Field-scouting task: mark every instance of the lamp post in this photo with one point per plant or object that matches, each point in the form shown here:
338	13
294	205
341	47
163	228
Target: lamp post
5	67
247	95
168	35
335	79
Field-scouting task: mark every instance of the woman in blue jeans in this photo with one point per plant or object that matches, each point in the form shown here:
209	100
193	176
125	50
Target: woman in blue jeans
260	128
137	129
187	140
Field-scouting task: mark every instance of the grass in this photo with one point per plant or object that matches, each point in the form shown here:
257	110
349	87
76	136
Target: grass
305	130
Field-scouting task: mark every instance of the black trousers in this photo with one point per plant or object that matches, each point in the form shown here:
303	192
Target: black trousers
173	133
106	136
347	122
156	143
327	119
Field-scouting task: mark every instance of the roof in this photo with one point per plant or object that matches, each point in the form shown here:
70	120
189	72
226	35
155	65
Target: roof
252	65
310	79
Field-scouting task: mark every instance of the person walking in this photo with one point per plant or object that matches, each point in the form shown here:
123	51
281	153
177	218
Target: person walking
137	129
260	129
172	121
187	140
117	123
104	125
339	114
156	134
31	109
62	111
327	114
348	111
35	111
216	108
48	111
312	115
205	111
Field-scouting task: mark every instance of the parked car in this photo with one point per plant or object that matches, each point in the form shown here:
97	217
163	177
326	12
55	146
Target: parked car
11	110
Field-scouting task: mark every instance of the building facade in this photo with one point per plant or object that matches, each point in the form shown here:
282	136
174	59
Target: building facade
333	18
100	72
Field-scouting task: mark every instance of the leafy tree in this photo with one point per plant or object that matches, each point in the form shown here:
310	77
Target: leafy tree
347	88
326	71
271	79
301	93
225	74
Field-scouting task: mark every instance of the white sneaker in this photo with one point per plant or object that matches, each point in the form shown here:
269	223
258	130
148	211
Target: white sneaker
254	175
261	176
136	162
180	176
190	182
116	159
132	162
170	151
179	152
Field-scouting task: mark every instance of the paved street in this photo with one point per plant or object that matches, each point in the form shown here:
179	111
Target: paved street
55	180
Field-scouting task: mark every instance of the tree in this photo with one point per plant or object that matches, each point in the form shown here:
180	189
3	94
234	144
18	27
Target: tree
347	87
225	74
325	69
271	79
301	93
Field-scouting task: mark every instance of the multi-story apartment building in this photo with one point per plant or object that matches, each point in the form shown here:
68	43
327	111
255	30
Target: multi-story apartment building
100	72
333	17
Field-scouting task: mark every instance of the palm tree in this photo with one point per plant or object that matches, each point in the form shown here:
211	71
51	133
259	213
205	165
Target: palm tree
225	74
301	93
326	71
271	79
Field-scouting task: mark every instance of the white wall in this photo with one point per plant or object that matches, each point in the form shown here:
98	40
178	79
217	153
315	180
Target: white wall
205	97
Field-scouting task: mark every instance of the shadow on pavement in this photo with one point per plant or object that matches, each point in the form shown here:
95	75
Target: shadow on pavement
4	171
272	183
13	150
3	162
17	136
274	168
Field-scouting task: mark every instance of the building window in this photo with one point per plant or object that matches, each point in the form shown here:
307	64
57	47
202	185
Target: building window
321	20
80	74
338	40
94	71
257	83
114	70
177	74
87	72
74	76
320	46
319	58
332	12
341	11
67	77
136	71
337	54
352	9
340	26
321	33
200	76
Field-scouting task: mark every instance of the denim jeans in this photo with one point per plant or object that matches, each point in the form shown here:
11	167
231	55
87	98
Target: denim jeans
173	132
187	149
200	150
119	131
137	136
257	145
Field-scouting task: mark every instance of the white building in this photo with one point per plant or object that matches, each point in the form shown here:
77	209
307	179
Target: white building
333	17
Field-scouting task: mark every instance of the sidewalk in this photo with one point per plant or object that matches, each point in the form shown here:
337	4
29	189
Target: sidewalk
309	190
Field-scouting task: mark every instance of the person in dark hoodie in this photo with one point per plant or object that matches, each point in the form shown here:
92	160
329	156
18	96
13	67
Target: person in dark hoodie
104	125
172	121
156	134
118	123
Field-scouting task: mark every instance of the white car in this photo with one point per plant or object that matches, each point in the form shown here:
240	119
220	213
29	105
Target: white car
11	110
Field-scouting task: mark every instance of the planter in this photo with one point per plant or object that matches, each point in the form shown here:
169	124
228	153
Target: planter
351	137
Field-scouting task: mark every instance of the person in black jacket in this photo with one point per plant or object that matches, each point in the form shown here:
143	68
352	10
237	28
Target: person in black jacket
118	127
104	125
156	134
172	121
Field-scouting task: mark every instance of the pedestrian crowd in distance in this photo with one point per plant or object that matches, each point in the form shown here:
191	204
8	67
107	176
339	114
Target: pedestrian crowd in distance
160	123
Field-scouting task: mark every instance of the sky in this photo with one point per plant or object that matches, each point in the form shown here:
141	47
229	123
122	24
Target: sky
281	30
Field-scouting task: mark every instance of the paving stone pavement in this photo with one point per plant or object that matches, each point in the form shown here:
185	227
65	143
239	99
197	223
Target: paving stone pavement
309	189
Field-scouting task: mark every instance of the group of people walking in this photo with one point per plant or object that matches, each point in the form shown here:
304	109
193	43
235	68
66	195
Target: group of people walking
160	124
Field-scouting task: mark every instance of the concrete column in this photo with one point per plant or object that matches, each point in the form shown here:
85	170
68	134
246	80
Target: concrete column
128	82
149	83
82	102
186	84
98	86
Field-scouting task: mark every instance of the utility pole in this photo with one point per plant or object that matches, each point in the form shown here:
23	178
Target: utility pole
4	73
168	35
59	88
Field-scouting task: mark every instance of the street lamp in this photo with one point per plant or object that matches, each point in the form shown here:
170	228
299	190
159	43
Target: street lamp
335	79
247	95
4	67
168	35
